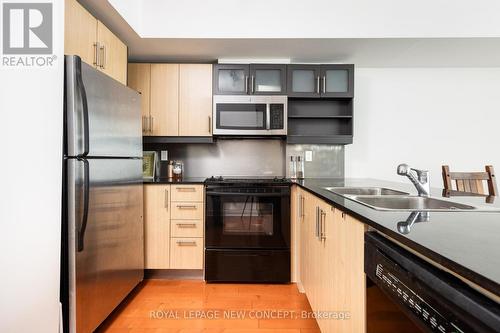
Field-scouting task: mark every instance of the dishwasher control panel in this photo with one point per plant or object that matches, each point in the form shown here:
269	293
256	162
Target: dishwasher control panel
412	301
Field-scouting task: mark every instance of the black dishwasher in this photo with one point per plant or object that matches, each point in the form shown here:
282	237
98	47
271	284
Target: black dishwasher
435	300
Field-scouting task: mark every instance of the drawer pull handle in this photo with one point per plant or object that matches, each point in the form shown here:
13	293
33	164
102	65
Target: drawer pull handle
186	189
186	206
185	243
186	225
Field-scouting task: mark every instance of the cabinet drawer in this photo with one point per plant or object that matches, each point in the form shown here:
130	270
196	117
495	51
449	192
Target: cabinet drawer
187	228
186	253
187	211
190	193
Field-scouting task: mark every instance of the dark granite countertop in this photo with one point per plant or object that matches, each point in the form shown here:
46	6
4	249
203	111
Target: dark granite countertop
467	243
187	180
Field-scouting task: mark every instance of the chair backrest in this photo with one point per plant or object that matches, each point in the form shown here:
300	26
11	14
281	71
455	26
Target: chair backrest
470	181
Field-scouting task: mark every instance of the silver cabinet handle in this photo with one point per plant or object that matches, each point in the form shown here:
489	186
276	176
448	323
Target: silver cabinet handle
166	199
317	223
186	206
186	189
143	125
252	84
317	84
303	207
96	54
186	243
246	84
151	124
324	84
103	52
209	124
323	226
186	225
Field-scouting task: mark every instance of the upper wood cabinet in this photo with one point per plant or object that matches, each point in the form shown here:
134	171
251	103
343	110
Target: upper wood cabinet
254	79
195	100
90	39
315	81
164	100
139	78
176	98
112	54
80	32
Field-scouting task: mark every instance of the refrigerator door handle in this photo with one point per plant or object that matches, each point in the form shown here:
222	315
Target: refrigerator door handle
83	96
80	230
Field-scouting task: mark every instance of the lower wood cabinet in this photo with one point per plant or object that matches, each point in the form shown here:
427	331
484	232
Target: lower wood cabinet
174	226
331	264
186	253
157	226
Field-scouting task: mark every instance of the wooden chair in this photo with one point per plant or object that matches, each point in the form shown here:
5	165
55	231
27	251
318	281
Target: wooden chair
471	182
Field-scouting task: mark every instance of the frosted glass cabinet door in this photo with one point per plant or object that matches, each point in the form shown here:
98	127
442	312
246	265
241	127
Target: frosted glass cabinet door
337	80
231	79
267	79
303	80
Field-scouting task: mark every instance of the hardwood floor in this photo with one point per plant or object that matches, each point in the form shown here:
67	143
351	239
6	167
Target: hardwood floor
175	306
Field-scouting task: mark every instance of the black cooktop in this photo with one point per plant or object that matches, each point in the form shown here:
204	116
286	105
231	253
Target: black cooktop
248	180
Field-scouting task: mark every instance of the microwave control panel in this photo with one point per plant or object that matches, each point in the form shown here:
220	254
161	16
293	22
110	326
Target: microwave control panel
276	114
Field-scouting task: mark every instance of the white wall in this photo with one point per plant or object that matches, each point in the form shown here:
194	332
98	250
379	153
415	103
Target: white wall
31	113
312	19
424	117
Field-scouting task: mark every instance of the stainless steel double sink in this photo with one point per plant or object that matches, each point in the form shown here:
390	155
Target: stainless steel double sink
380	198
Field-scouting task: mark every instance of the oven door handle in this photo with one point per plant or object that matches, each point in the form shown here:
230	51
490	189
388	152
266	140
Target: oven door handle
231	194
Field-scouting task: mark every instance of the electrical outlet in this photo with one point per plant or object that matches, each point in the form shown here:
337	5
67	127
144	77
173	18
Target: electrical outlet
309	155
164	155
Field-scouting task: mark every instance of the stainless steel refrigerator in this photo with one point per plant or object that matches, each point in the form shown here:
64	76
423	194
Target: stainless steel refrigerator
102	237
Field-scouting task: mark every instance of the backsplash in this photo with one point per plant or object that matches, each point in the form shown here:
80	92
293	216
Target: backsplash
327	160
228	157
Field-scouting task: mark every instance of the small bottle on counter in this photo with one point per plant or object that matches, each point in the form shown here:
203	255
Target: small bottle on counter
170	170
300	167
292	168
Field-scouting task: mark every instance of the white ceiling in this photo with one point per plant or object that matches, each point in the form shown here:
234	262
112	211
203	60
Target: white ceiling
364	52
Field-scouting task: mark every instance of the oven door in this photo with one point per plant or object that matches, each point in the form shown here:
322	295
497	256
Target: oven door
237	219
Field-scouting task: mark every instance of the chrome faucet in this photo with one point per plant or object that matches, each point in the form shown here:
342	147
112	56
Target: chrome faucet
419	178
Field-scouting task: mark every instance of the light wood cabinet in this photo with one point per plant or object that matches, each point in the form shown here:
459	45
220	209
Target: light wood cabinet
187	193
164	100
173	229
80	32
90	39
331	262
112	54
179	101
187	210
195	100
157	226
139	79
186	253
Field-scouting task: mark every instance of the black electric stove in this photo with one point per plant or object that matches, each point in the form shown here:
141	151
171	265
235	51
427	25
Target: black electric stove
247	229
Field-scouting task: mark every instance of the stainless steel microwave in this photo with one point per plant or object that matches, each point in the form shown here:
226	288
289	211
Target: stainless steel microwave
249	115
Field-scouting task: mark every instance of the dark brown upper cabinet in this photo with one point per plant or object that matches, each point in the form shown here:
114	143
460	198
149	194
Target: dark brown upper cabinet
315	81
253	79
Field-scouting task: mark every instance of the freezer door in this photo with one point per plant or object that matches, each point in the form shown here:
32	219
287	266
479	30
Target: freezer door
105	237
103	117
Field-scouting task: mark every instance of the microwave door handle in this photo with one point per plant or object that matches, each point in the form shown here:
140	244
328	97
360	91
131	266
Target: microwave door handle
268	116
